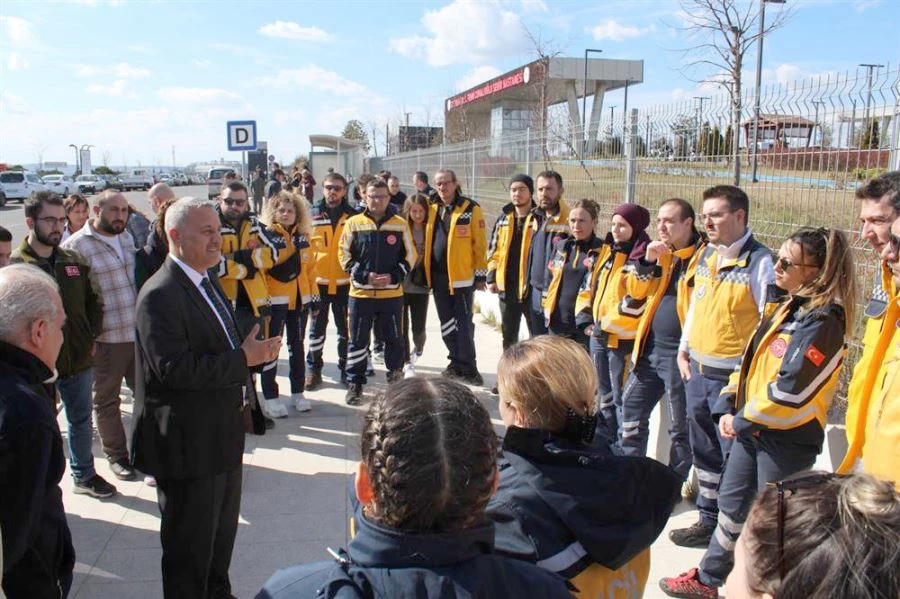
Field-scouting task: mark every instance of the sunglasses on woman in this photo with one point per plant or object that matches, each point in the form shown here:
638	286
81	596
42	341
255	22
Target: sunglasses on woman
786	264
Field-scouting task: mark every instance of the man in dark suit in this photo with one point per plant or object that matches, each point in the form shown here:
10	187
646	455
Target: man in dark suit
188	425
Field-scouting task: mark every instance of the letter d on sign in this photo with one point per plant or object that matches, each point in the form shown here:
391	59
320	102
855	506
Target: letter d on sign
241	136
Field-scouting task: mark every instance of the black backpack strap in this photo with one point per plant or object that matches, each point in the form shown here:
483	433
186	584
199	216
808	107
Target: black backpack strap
346	585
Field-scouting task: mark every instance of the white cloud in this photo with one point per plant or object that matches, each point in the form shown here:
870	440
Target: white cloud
476	76
145	49
119	87
315	77
123	70
615	31
199	95
17	30
465	32
864	5
13	104
294	31
17	62
201	63
534	6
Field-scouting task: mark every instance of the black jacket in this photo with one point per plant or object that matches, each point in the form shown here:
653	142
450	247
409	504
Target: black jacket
554	493
387	563
149	258
80	299
37	545
187	409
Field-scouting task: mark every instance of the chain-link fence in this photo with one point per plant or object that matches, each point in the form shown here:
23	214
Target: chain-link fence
818	139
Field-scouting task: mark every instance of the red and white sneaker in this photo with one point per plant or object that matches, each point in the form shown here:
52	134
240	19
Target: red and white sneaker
688	586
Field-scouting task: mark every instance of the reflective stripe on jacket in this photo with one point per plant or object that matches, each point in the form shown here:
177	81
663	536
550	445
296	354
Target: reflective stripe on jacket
882	442
297	264
498	249
246	251
324	239
563	253
384	247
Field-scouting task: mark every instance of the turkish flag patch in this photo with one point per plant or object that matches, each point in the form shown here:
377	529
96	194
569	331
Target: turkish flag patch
814	355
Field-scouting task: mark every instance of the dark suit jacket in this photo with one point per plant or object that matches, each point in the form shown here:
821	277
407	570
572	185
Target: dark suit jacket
188	420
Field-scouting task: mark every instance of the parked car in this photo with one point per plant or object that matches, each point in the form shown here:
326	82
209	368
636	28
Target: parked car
113	182
19	185
138	179
2	196
61	184
90	183
214	180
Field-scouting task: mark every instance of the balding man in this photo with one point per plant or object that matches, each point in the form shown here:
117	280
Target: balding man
109	251
38	556
158	195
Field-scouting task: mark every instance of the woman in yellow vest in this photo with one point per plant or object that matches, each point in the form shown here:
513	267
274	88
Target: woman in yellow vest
293	292
775	406
563	502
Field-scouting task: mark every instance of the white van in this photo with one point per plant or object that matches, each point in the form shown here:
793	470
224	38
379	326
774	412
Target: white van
19	185
214	180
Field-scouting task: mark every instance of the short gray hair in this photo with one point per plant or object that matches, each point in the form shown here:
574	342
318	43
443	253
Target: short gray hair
177	213
24	294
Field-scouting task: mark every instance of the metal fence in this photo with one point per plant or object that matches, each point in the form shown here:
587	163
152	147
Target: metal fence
818	140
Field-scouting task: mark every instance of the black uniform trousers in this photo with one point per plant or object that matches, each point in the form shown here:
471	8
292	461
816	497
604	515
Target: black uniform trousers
338	304
385	313
457	327
511	312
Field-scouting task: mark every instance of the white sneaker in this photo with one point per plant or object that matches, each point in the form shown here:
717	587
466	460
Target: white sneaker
273	408
409	370
301	404
413	356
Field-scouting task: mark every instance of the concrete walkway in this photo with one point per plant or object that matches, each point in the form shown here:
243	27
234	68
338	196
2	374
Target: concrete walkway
294	501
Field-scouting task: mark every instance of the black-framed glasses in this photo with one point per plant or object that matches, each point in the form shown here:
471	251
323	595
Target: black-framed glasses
233	202
792	485
786	264
333	187
53	222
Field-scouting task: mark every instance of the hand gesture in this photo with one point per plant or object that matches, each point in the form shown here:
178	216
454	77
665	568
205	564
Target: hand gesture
726	426
654	250
684	365
260	351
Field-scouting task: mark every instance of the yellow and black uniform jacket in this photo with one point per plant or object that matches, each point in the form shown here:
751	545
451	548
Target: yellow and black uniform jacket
324	239
648	283
882	314
725	313
498	249
247	251
604	301
545	234
789	372
570	251
294	277
383	247
466	243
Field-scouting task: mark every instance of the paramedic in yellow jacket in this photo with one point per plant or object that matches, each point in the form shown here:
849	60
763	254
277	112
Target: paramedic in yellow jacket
664	281
507	257
294	293
775	405
456	265
733	273
879	208
612	317
328	217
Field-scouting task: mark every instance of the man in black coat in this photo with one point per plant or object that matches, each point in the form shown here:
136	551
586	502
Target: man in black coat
188	425
38	556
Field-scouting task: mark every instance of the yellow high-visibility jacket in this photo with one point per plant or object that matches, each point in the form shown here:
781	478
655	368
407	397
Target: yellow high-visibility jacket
545	233
570	250
881	448
725	313
789	372
324	238
498	249
649	283
881	312
294	277
466	243
384	246
247	251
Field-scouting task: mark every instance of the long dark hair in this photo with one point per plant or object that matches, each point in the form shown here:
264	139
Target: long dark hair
430	452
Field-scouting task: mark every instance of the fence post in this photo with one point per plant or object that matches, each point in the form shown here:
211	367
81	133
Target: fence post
442	155
895	140
474	180
630	151
528	151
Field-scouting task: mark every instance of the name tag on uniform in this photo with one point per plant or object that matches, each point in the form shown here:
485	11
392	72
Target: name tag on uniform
462	231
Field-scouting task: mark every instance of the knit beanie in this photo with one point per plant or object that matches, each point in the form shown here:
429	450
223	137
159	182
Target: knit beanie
636	216
528	181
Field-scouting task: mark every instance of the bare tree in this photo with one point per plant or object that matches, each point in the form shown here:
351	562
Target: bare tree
107	157
723	32
373	126
39	150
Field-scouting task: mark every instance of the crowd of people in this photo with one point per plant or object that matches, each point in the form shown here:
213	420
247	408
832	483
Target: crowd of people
744	348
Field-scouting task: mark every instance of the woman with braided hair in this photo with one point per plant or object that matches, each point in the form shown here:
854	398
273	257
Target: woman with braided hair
427	472
565	502
775	406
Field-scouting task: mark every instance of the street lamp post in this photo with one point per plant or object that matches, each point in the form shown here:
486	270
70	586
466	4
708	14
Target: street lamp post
698	119
584	101
866	124
759	56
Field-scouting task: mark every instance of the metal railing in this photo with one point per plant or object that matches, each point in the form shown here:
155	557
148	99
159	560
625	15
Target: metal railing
819	139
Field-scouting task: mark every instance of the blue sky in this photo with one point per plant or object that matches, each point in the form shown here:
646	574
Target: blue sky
135	78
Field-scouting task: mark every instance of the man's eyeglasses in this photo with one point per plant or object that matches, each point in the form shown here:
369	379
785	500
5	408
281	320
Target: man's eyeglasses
792	486
786	264
53	222
715	215
333	187
233	202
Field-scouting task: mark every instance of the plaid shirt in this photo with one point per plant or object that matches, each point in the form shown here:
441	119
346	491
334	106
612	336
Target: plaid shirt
114	278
